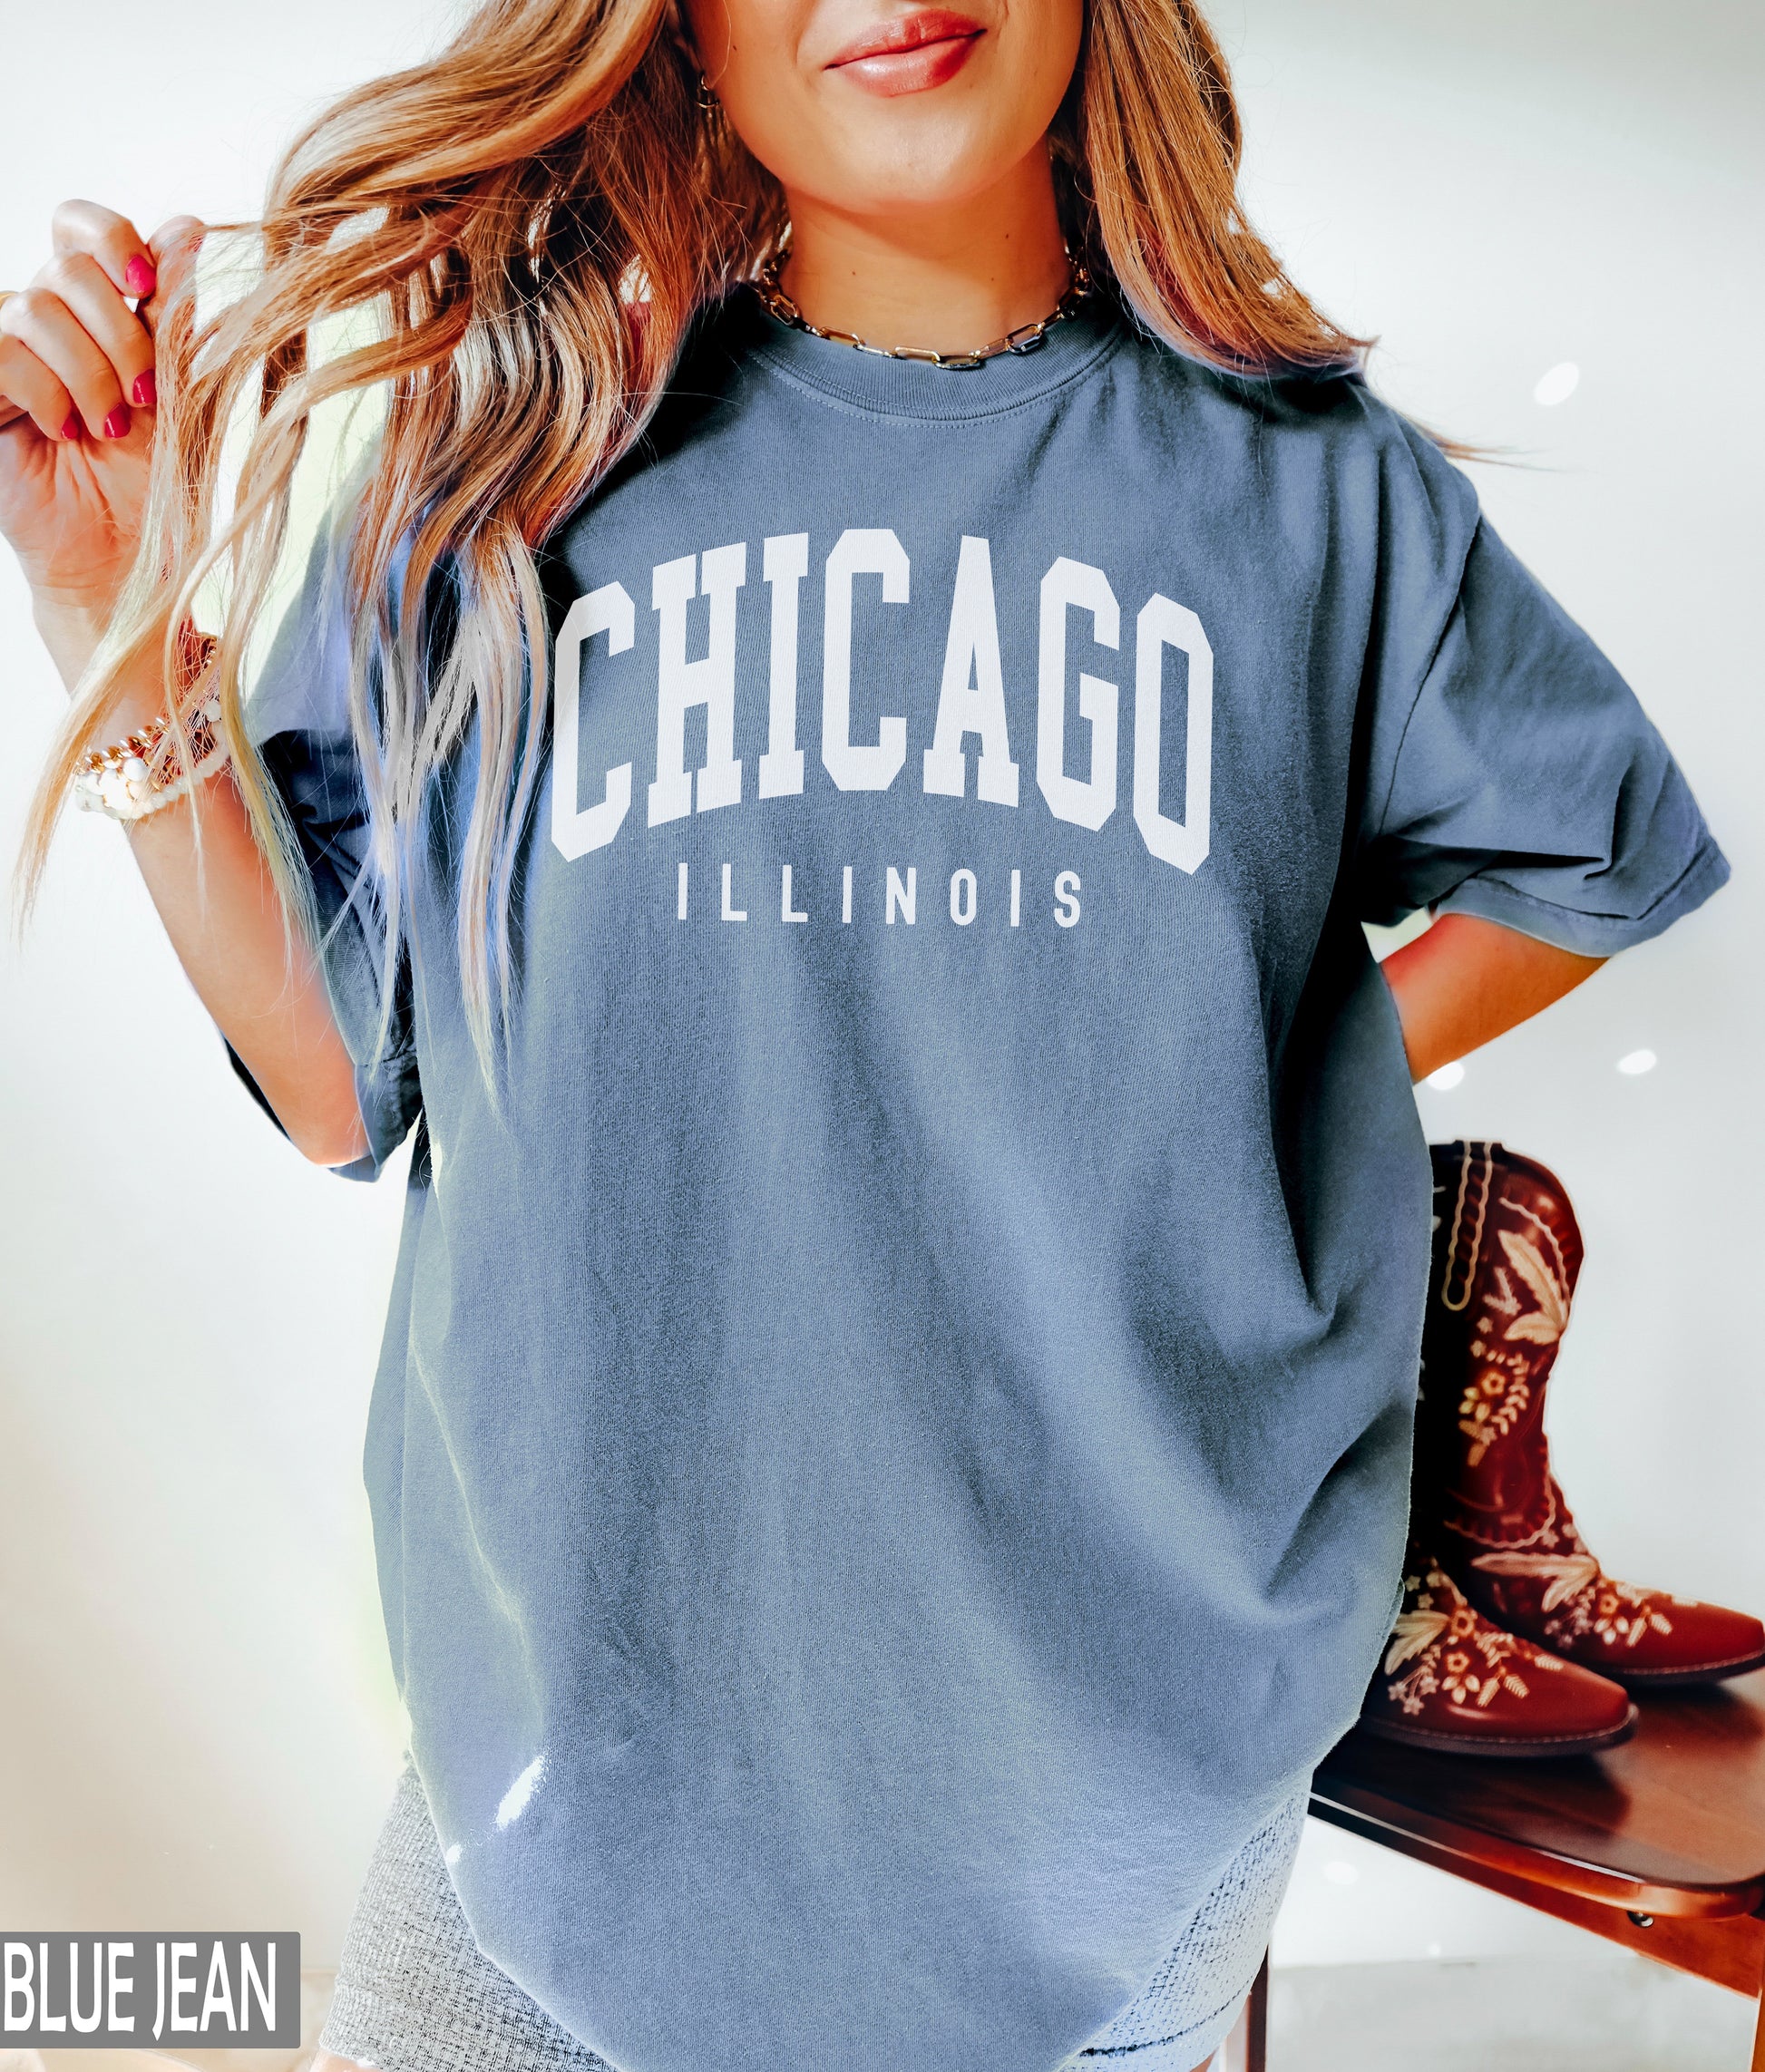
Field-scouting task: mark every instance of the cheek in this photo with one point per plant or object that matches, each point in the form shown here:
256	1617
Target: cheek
775	114
748	51
1049	37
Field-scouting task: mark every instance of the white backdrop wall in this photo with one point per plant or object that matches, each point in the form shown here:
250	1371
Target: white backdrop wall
197	1720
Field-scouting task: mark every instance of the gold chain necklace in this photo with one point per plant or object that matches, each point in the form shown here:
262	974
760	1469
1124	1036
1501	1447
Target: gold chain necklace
1027	338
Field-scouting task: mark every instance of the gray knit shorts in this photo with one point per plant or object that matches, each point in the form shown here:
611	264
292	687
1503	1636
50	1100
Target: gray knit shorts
415	1994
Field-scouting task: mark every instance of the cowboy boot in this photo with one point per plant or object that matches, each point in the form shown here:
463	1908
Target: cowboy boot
1506	1255
1452	1681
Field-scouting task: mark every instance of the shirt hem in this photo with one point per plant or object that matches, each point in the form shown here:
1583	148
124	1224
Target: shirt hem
1177	2053
387	1117
1584	934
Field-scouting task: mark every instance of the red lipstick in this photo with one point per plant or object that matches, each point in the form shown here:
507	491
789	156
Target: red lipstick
910	53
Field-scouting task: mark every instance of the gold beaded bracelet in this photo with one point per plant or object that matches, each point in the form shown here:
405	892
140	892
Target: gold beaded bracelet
134	776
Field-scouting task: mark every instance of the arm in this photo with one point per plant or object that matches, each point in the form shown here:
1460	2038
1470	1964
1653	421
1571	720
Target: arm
1466	981
76	364
266	993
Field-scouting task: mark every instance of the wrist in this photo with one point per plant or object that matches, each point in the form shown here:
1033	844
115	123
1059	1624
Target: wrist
70	627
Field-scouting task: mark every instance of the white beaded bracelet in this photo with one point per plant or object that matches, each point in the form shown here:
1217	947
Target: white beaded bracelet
132	777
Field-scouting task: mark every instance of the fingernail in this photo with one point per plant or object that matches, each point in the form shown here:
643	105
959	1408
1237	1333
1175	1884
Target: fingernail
116	425
145	394
139	277
73	428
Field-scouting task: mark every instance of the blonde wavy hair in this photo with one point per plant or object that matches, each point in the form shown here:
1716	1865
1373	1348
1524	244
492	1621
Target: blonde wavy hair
533	220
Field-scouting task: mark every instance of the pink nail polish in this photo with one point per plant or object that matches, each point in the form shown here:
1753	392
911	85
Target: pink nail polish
73	428
139	277
145	394
116	425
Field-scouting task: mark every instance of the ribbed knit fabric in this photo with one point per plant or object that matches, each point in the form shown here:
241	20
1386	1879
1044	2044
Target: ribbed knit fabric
415	1994
1191	2000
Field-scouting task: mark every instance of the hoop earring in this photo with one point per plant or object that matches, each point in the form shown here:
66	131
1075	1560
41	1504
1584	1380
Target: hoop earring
708	103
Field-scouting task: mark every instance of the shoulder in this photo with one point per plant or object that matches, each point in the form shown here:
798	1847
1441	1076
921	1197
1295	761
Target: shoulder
1321	447
1331	413
702	392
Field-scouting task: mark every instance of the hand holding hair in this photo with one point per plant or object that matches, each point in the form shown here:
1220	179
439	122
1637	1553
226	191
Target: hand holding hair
78	401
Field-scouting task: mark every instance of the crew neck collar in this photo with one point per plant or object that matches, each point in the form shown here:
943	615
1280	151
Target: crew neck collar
912	388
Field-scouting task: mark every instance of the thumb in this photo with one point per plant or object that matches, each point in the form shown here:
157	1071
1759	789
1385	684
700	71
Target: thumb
177	237
174	246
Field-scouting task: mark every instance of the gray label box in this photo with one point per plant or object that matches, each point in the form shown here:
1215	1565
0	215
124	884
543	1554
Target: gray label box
131	1990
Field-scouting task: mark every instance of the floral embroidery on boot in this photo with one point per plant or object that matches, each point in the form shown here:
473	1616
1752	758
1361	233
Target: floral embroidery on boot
1452	1680
1507	1252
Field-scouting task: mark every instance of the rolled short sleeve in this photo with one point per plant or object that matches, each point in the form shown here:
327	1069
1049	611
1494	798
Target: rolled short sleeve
1520	780
297	715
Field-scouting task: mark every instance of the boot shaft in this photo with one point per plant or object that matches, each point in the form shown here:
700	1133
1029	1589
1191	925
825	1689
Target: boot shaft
1506	1256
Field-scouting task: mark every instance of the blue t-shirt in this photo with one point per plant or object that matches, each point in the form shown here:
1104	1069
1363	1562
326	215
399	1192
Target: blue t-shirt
890	1453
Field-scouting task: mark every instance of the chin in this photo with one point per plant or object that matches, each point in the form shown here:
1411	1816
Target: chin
911	167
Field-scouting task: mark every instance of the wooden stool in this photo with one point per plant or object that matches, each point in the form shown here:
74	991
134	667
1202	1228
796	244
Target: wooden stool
1659	1845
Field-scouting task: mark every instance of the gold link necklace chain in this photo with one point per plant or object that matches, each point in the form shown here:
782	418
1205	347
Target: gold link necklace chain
1027	338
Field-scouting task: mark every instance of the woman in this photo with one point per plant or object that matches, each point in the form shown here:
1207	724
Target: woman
889	1458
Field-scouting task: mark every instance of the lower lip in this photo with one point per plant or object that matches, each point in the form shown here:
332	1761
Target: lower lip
911	72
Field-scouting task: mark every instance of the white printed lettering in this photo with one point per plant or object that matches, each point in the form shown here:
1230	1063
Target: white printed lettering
183	1984
218	1994
249	1982
1161	625
680	896
1089	801
785	563
576	831
845	894
120	1981
964	896
45	2020
858	551
731	913
786	912
20	1992
1067	889
897	895
85	2024
709	681
1017	896
972	697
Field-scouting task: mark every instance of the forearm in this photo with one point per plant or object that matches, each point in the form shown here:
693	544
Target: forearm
1466	981
258	979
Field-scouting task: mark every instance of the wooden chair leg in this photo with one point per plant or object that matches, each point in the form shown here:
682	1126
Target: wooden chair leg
1256	2020
1247	2048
